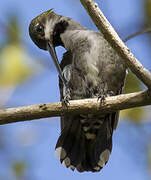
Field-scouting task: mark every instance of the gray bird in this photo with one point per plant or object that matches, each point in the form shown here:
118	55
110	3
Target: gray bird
90	68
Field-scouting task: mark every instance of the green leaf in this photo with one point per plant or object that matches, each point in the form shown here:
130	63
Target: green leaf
134	114
148	11
19	168
132	83
13	67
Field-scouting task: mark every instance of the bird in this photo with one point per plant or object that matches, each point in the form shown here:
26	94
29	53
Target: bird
90	68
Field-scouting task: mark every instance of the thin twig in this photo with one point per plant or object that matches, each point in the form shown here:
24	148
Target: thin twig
146	30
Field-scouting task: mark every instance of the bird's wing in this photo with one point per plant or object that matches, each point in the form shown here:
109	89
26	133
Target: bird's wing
66	60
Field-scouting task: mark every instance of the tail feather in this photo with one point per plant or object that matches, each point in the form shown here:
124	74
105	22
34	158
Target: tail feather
86	150
103	146
70	144
77	148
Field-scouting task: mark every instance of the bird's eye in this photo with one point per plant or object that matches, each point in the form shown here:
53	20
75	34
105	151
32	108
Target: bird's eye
40	29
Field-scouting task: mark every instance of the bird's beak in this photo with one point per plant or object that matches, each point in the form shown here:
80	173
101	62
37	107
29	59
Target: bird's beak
52	51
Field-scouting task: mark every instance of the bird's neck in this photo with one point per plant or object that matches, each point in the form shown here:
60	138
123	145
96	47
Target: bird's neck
71	39
72	33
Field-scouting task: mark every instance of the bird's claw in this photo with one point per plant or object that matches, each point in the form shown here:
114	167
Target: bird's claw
65	101
101	98
67	97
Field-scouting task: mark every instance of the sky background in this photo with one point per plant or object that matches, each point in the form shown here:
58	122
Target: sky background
33	142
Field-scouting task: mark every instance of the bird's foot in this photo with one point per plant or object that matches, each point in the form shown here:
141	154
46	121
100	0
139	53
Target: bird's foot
102	95
67	96
101	98
65	101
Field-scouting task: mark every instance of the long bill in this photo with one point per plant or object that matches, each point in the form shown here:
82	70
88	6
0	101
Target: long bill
52	52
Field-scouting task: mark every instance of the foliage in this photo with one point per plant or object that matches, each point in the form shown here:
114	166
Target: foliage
133	85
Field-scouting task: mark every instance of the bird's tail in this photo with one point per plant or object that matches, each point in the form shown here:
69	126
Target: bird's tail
84	143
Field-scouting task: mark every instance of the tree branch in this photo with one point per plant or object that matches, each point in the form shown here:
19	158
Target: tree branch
112	37
84	106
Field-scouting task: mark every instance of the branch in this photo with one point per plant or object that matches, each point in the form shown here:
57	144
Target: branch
84	106
112	37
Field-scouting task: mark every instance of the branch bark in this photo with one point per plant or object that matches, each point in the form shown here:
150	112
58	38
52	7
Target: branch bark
84	106
112	37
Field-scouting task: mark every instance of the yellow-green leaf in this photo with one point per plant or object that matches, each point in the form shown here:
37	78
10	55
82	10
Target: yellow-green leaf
13	68
134	114
132	83
19	168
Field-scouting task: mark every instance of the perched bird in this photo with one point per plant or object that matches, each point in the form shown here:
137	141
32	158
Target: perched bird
90	68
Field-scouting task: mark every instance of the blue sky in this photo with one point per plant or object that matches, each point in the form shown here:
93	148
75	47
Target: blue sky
128	160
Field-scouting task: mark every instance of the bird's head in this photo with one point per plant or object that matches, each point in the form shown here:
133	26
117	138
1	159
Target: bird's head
45	31
47	27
